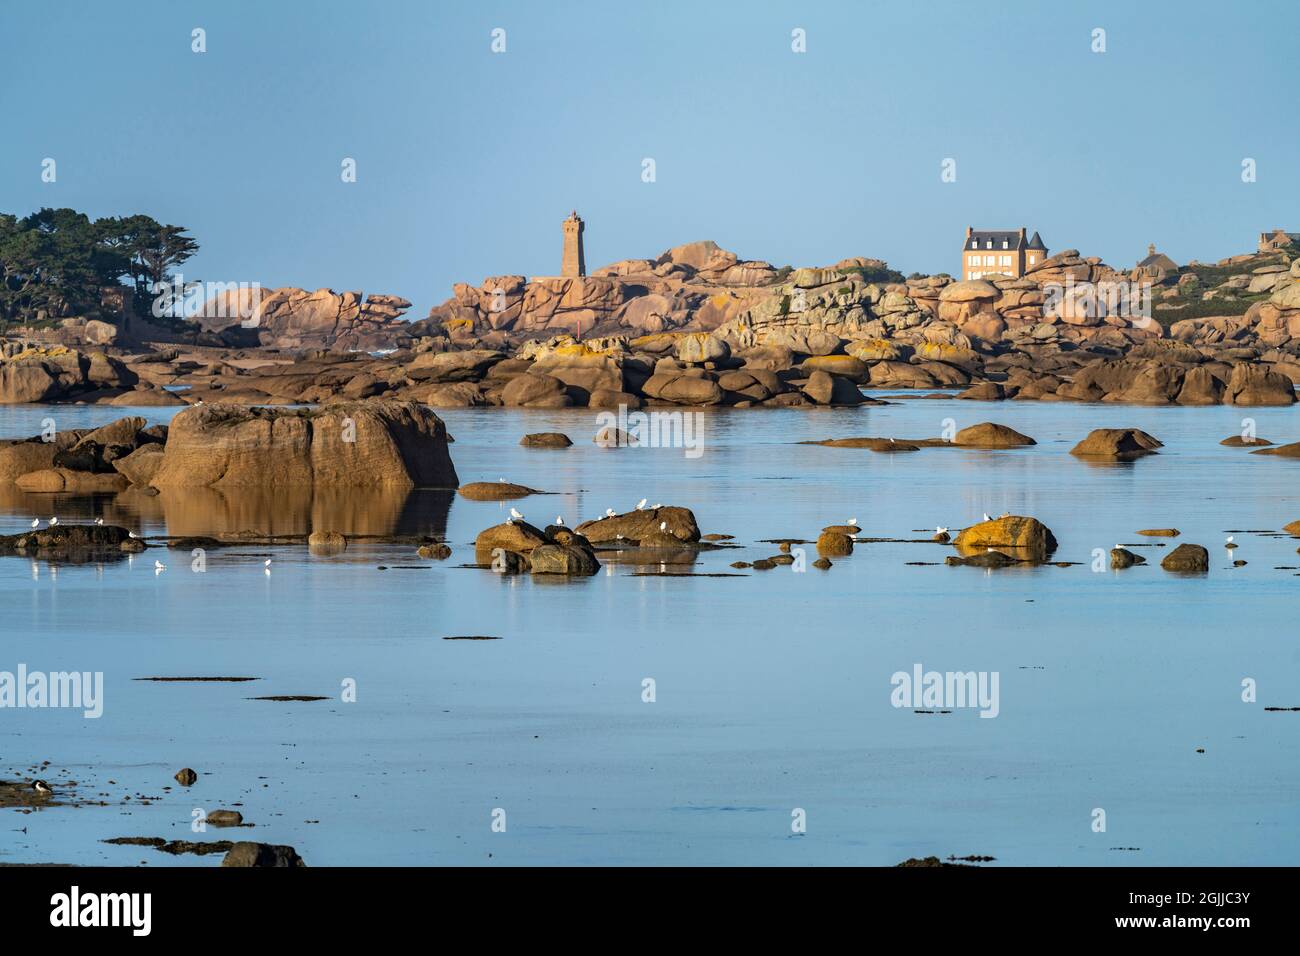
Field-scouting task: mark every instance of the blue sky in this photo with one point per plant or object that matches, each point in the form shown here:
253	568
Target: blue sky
467	161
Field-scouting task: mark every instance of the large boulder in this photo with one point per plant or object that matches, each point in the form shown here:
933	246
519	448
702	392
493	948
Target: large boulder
827	389
519	537
1116	443
26	382
386	443
1022	537
1187	558
683	388
570	559
635	525
141	466
1257	385
535	391
32	454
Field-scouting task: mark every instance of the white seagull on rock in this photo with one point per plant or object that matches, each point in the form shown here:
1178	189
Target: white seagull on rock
640	505
609	513
159	566
559	521
516	515
938	530
986	516
54	521
36	522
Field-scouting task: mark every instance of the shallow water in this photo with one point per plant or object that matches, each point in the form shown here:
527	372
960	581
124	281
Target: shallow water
772	689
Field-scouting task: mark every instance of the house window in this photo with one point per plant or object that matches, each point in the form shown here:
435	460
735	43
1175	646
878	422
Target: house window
1004	260
988	243
1032	260
1004	244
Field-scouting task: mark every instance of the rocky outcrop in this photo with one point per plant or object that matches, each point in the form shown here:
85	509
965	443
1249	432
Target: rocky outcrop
351	445
292	318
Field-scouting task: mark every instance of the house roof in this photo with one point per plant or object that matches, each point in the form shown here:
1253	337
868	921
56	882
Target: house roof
1036	243
1160	260
980	240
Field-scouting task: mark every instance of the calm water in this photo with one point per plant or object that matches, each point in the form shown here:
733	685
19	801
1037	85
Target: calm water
773	689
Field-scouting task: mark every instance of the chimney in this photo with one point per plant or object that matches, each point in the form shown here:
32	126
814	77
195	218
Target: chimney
1022	233
1151	249
969	230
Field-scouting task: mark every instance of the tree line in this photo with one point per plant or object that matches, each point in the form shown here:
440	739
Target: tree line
53	263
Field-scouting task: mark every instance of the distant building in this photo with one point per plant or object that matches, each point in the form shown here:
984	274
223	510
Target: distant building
1000	253
573	263
1277	239
1156	267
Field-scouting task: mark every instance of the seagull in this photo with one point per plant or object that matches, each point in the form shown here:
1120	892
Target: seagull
99	521
656	507
853	522
41	787
640	505
938	530
986	516
502	480
609	513
1006	514
559	521
663	526
515	514
1229	544
54	521
36	522
159	567
267	562
132	534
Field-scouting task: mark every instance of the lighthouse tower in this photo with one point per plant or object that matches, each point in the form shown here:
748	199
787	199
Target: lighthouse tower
573	263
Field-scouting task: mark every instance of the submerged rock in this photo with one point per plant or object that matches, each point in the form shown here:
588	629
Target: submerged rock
71	542
495	491
546	440
1121	558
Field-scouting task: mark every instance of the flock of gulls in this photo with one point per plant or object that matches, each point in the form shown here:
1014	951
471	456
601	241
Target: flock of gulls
517	515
